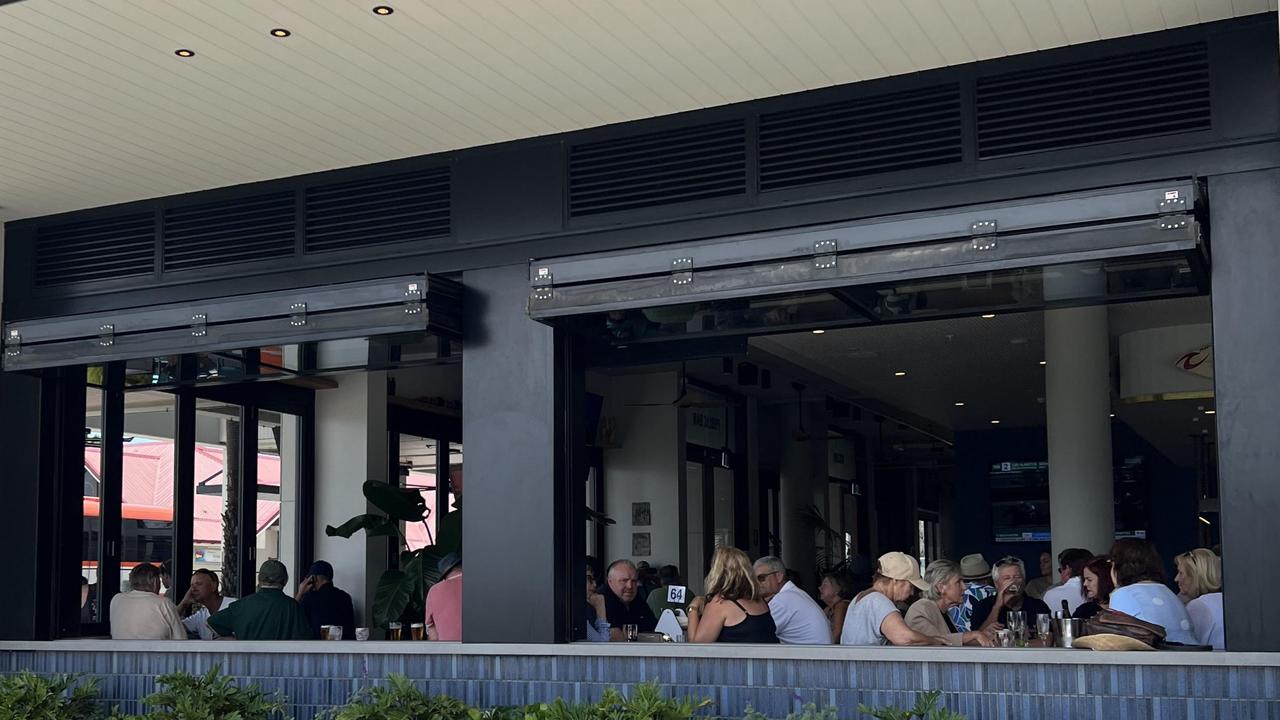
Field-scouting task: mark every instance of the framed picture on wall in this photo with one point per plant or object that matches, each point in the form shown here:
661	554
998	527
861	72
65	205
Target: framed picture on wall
640	514
640	545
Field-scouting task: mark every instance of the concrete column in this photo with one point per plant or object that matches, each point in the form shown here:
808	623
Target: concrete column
1246	303
1078	407
802	482
351	447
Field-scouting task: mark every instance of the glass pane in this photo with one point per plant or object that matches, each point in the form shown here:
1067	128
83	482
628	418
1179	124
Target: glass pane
91	543
147	487
276	534
213	423
417	459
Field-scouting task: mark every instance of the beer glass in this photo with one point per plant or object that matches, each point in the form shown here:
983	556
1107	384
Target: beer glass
416	631
631	632
393	631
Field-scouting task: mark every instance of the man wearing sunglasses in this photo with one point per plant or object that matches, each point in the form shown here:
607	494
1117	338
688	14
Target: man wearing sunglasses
1010	580
799	619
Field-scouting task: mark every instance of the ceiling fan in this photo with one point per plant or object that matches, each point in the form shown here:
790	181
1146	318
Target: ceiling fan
689	397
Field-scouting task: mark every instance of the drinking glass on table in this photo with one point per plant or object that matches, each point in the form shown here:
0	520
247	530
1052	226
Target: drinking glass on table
1004	637
416	630
1017	622
1044	625
393	631
631	632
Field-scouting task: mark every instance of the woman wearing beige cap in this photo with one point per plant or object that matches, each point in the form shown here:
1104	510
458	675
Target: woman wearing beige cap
874	619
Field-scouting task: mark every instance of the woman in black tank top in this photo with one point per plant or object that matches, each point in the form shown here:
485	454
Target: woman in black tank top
732	610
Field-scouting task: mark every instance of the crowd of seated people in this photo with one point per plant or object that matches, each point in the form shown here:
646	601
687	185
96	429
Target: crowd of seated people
952	603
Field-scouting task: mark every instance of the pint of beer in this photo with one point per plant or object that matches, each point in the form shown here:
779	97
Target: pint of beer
393	631
416	631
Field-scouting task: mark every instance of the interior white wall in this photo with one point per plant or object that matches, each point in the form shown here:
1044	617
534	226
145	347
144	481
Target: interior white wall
351	447
647	466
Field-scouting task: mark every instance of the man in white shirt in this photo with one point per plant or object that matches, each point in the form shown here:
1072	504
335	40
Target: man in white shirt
1071	564
143	613
799	619
203	593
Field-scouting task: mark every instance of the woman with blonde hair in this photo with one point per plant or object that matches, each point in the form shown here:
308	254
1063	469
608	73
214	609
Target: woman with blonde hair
731	610
1200	586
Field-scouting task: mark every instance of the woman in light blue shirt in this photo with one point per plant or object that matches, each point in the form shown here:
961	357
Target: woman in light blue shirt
1141	592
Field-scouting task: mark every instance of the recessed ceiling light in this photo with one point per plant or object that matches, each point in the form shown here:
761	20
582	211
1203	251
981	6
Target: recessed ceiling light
988	316
184	53
959	404
995	422
819	332
383	10
1113	414
1042	362
1210	412
900	373
280	32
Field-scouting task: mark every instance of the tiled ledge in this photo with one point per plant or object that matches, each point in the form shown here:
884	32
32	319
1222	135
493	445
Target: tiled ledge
669	650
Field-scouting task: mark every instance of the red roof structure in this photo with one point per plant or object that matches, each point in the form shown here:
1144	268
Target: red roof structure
148	483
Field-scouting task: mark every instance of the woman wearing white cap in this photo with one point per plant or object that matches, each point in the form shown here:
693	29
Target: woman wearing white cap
874	619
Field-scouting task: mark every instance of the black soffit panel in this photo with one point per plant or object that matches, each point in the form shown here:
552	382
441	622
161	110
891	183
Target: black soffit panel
1123	97
411	303
1071	227
122	246
695	163
221	233
867	136
379	210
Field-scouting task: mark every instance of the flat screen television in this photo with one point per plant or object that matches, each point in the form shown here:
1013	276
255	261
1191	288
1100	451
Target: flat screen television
1020	500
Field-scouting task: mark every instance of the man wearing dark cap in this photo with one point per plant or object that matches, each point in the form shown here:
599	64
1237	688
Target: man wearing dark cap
267	614
444	601
325	603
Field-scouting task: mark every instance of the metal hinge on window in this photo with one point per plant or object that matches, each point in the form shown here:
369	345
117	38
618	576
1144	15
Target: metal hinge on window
298	314
1172	209
984	235
1173	202
543	287
824	255
106	335
12	344
199	325
682	271
413	299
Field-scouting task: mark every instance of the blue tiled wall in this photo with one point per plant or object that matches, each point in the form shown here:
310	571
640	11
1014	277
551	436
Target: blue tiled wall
775	687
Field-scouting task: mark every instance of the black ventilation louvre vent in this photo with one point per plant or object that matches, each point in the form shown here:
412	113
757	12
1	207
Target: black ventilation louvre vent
414	206
96	250
241	230
1158	92
916	129
698	163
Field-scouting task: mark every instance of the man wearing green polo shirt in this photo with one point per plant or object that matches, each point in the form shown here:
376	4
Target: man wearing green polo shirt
267	614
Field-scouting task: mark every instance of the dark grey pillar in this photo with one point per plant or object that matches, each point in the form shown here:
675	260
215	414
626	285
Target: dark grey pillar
23	615
512	504
1245	214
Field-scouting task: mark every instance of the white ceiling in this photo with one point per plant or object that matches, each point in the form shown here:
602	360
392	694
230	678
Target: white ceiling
95	108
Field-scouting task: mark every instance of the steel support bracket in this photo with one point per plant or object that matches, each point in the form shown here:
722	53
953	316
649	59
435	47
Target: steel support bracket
199	325
824	255
543	284
413	299
12	343
1173	202
106	335
984	235
682	271
298	314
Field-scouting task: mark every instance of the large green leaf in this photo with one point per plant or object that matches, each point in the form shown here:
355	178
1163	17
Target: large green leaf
391	596
398	503
374	525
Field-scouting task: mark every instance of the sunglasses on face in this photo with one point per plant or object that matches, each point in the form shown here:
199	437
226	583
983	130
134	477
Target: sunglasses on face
761	578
